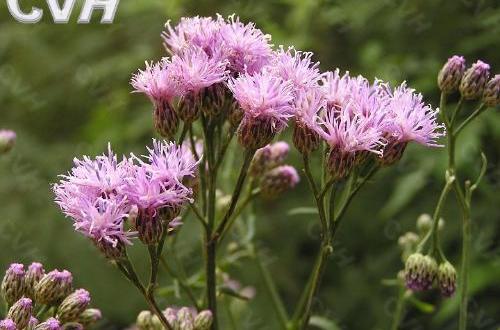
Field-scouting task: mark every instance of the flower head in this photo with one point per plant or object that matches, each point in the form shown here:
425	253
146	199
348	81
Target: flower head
279	180
73	306
13	283
246	47
297	67
20	312
420	272
33	276
53	287
7	324
7	140
450	75
447	279
50	324
491	94
474	79
266	104
156	82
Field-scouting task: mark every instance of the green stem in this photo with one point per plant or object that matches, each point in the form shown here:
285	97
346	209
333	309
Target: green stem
236	195
464	270
185	128
456	112
435	227
277	303
198	215
469	119
400	306
318	197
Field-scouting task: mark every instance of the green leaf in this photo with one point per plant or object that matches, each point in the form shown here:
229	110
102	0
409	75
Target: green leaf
323	323
303	211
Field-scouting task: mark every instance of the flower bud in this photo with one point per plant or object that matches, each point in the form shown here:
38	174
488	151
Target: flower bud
215	97
260	161
278	180
33	276
491	95
474	80
149	227
279	152
73	326
235	114
32	323
190	107
20	312
255	133
203	321
145	320
50	324
171	316
408	240
110	250
73	306
420	272
53	287
339	163
447	279
7	324
89	317
13	285
165	120
185	318
393	152
305	139
424	223
450	75
7	140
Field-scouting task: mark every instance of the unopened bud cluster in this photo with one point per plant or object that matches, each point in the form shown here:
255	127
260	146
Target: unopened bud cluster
184	318
269	170
28	290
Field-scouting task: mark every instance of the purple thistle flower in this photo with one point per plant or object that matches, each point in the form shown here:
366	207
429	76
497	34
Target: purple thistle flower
246	47
474	79
13	283
170	162
194	70
411	119
73	306
50	324
203	32
20	312
7	324
296	67
266	104
308	104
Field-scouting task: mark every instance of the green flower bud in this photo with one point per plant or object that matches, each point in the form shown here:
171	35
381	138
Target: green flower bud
450	75
171	316
20	312
409	239
420	272
424	223
145	320
447	279
185	319
53	287
491	95
73	306
474	80
13	283
90	317
203	321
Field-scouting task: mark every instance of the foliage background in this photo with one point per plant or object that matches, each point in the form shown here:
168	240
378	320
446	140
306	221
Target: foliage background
64	89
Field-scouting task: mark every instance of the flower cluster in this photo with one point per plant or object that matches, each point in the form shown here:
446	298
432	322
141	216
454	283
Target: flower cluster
227	68
31	292
103	193
268	168
184	318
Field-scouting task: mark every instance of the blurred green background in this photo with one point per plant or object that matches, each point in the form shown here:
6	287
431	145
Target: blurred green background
65	90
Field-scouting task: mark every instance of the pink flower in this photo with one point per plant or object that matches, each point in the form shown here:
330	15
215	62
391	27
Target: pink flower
246	47
411	119
194	70
156	82
309	103
296	67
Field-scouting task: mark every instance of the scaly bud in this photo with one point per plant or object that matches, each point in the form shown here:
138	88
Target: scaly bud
32	323
53	287
73	306
305	139
13	285
149	227
420	272
7	324
7	140
278	180
340	163
215	97
450	75
474	80
255	133
408	240
185	318
145	320
424	223
165	120
203	321
72	326
33	276
491	95
447	279
190	107
393	152
50	324
90	317
171	316
20	312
